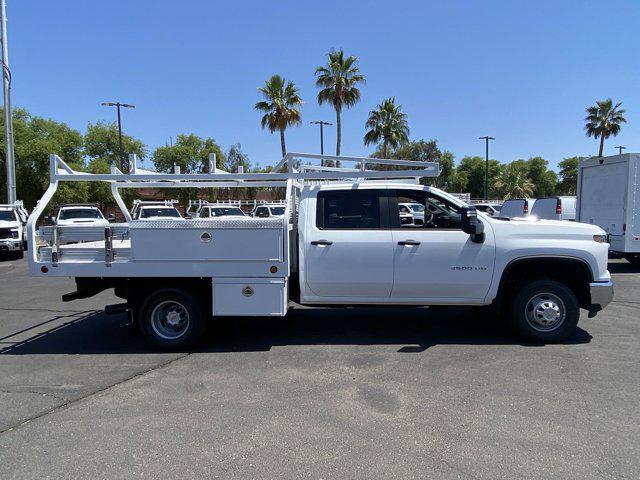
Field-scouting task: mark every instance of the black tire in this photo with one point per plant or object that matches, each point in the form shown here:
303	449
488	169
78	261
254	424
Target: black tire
550	296
156	327
19	254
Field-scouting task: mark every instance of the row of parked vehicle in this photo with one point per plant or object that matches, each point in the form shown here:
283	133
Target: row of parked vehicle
549	208
91	215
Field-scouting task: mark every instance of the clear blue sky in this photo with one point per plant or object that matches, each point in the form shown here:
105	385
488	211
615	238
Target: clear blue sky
521	71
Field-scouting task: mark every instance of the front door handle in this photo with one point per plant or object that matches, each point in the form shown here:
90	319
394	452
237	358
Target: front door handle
321	242
409	242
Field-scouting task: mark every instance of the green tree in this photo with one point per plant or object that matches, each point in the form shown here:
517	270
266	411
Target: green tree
514	181
338	81
191	153
281	106
450	179
473	168
387	124
35	139
544	180
568	176
603	120
101	142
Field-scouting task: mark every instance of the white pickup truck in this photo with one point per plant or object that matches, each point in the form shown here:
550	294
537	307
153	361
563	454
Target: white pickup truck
340	243
13	218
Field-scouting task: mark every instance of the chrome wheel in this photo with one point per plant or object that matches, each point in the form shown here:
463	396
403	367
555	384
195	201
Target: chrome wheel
170	320
545	312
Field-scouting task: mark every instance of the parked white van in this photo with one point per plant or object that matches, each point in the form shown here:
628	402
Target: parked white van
517	207
555	208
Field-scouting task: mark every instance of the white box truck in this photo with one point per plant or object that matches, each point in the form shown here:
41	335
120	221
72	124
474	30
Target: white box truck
609	197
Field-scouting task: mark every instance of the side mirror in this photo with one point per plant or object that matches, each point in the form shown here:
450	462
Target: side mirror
471	224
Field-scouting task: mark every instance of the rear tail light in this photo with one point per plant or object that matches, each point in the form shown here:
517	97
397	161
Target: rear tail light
559	207
526	207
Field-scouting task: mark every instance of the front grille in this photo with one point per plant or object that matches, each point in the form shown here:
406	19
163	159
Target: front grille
5	233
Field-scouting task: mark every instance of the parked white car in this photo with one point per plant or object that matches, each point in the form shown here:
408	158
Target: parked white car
555	208
268	210
517	207
11	231
156	212
85	215
492	209
217	211
416	211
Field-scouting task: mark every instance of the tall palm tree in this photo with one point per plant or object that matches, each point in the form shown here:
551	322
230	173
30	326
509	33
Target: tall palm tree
338	80
514	182
280	106
388	124
603	120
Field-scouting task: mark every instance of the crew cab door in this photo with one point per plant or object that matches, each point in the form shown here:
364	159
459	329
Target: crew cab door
438	262
348	250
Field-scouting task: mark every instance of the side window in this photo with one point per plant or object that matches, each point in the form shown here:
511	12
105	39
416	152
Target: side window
205	213
262	212
429	211
349	210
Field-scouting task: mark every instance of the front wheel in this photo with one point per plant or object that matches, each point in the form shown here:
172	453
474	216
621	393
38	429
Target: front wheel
544	311
171	319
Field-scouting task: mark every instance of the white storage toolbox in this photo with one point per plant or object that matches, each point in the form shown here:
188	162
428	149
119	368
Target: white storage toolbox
249	296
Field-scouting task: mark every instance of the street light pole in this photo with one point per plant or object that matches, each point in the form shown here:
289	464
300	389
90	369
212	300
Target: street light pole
322	124
123	161
8	120
620	148
486	165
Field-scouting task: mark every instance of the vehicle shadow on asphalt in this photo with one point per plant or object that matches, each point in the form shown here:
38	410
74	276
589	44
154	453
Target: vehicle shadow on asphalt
414	329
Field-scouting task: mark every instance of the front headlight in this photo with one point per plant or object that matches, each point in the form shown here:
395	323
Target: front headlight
600	238
15	233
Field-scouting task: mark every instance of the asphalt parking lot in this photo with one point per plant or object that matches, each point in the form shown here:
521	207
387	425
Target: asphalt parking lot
322	394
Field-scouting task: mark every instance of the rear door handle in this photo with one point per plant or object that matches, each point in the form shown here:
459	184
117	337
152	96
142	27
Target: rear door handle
321	242
409	242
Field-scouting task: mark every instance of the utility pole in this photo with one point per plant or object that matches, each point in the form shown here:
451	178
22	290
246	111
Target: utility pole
123	161
486	166
322	124
8	120
620	148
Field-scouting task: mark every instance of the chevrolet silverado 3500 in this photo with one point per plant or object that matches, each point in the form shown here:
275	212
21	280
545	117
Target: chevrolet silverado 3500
341	242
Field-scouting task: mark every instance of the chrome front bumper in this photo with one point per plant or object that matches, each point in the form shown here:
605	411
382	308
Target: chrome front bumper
601	294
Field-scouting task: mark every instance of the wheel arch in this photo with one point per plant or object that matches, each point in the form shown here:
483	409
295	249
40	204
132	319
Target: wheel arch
575	272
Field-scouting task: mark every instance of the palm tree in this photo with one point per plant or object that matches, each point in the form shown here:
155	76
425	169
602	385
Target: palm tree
514	182
280	106
603	120
338	80
388	124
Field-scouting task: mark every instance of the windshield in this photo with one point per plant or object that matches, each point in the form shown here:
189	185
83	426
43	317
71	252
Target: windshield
277	210
8	216
226	211
78	213
159	212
